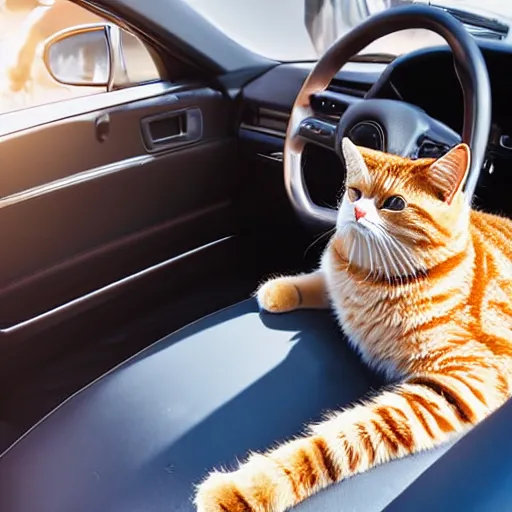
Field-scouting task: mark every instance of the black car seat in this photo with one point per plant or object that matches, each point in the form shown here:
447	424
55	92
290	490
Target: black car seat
140	437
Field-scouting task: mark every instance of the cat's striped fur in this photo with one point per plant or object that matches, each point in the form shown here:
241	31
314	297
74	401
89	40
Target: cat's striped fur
425	295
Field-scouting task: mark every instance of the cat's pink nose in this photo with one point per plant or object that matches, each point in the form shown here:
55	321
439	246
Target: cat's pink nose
359	213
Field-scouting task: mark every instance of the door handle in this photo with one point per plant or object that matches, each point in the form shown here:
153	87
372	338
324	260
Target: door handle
172	129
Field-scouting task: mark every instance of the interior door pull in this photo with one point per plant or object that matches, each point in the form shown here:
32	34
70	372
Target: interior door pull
172	129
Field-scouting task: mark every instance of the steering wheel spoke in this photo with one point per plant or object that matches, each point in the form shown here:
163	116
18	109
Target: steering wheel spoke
318	131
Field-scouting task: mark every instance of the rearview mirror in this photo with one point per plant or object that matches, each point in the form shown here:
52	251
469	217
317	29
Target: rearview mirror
80	56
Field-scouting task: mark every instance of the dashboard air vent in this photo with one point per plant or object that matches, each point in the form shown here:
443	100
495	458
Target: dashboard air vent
358	89
265	120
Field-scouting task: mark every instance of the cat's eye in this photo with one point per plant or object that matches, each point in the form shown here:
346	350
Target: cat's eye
354	194
394	203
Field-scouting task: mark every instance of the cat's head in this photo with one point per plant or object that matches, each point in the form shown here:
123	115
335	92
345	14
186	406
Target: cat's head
399	216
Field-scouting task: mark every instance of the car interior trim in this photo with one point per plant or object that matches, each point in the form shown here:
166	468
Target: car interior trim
188	129
189	32
76	179
265	131
31	118
99	295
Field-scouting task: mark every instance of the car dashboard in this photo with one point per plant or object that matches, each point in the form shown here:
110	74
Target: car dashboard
424	78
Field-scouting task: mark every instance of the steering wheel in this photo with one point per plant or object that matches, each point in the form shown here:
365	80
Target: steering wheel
394	126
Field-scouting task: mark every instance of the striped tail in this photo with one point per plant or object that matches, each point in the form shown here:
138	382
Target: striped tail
416	415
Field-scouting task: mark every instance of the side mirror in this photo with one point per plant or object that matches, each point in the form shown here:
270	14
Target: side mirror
86	55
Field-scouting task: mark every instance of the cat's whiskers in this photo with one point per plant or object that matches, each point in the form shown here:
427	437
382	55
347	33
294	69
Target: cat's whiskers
403	258
352	249
401	255
382	258
379	261
389	263
392	258
379	266
370	255
319	238
371	239
360	240
408	258
360	256
397	255
371	247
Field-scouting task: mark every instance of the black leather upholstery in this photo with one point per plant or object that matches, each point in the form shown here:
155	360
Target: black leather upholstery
474	476
140	437
7	435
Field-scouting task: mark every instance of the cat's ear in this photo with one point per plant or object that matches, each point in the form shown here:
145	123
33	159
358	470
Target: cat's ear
355	165
448	173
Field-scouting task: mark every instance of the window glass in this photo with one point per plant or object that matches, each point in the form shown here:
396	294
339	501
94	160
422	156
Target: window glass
291	30
140	64
25	25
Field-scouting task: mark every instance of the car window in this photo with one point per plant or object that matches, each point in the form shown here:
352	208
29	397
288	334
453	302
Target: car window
25	26
140	63
298	30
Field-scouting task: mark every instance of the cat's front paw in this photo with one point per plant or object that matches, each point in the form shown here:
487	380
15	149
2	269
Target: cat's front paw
278	295
219	493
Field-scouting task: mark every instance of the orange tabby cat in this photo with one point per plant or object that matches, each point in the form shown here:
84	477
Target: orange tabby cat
422	286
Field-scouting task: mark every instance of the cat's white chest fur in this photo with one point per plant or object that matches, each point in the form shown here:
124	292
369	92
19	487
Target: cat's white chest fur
370	330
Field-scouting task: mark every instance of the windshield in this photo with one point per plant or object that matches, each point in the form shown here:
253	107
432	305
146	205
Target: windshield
299	30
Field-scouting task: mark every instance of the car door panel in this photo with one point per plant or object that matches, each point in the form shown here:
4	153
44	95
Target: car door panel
80	215
69	145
